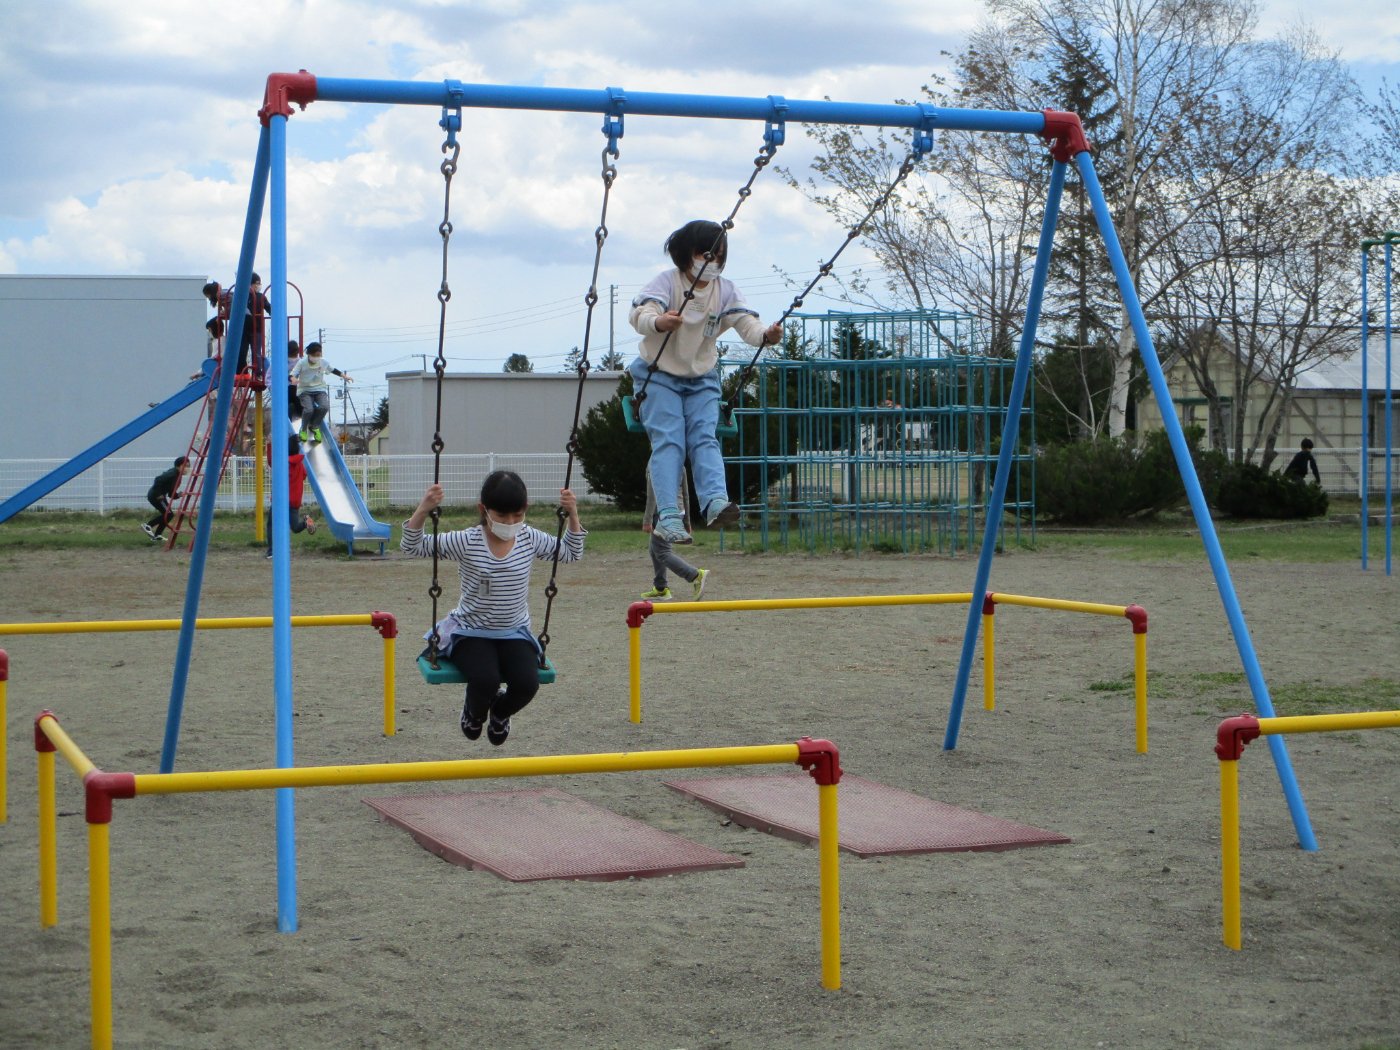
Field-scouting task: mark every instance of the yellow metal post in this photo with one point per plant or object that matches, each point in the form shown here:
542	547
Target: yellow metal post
100	932
1140	689
389	724
4	756
1230	851
48	842
829	848
989	661
634	671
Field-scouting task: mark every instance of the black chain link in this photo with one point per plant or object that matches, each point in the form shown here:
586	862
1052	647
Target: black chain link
449	168
600	236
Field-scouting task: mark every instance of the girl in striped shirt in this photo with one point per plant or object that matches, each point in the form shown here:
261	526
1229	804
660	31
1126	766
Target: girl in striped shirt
487	636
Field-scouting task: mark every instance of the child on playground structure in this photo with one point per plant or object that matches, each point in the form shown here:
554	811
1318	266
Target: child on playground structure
161	492
487	636
676	375
663	557
313	391
296	485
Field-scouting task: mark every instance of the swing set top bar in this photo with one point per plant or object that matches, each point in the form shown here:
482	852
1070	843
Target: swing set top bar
287	89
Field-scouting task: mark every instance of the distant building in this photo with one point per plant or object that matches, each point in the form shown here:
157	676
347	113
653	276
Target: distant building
81	356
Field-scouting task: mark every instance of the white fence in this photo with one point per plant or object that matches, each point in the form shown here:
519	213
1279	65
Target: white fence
385	481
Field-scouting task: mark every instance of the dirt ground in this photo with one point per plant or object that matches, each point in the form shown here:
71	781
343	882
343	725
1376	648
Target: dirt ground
1111	941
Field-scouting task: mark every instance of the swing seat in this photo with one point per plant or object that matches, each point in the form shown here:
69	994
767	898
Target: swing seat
725	428
446	672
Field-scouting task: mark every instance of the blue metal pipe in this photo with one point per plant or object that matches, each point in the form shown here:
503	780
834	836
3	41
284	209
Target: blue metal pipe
1009	432
1148	354
650	103
1365	404
1389	410
281	539
214	460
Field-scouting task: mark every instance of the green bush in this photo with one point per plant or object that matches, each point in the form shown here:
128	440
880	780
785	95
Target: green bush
612	459
1247	490
1106	480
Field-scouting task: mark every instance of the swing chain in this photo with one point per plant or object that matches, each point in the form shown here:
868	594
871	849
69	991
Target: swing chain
612	127
452	123
918	150
772	139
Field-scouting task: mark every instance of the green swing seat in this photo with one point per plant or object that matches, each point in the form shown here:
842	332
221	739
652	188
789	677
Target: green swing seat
446	673
725	428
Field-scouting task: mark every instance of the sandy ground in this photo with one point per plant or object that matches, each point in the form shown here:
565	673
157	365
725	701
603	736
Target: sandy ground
1111	941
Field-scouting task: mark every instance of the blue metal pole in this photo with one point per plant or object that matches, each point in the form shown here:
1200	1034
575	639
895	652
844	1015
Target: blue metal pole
1010	431
214	459
618	101
1390	239
1196	496
281	538
1365	401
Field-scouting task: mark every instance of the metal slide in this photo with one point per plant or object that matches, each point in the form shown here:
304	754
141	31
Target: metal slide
339	497
118	439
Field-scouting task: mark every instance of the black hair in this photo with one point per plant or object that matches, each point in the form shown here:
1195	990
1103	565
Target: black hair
697	237
211	292
504	492
292	348
180	461
1307	444
256	279
293	445
313	348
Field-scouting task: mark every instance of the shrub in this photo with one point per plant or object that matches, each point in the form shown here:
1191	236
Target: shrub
1109	479
1247	490
612	459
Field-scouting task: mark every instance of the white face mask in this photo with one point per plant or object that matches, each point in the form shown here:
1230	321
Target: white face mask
713	270
501	530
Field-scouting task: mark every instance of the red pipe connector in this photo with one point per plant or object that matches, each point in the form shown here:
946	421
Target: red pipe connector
101	788
284	89
1065	134
41	739
989	604
1137	616
4	666
384	623
821	759
1233	734
637	613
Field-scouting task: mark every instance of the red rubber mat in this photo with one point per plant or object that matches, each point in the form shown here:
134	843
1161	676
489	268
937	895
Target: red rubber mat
872	819
528	835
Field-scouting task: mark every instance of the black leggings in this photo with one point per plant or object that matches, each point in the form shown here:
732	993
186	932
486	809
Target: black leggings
487	662
162	518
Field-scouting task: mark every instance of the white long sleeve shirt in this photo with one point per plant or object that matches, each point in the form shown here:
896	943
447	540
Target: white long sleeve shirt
715	309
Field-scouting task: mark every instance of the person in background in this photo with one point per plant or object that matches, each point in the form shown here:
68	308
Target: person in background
313	391
160	494
296	486
1302	461
663	555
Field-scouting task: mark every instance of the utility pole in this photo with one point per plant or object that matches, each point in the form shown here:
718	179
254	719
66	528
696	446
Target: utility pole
612	307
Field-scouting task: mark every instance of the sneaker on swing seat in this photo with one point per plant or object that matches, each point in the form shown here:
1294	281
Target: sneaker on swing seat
720	513
657	594
471	727
671	528
697	585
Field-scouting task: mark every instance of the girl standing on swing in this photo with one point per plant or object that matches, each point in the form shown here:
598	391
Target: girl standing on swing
678	390
487	636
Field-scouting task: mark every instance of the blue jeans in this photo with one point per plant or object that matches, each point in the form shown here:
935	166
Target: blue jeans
680	415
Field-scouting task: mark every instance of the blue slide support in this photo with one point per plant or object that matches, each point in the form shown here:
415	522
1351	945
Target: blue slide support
109	445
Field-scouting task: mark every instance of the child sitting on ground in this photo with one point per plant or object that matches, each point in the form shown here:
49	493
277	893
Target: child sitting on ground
487	636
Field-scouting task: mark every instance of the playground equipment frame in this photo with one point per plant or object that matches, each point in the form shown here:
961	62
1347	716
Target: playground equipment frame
1230	739
818	757
383	622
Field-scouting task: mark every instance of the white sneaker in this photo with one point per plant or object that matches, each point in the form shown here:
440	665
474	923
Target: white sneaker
697	585
149	531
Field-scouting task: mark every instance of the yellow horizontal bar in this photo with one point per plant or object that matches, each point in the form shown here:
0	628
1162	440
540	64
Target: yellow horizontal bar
1329	723
755	604
1059	603
460	769
81	764
208	623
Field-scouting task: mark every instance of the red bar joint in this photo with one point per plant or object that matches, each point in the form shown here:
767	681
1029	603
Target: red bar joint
384	623
637	613
821	759
4	666
989	604
284	89
1065	134
101	788
41	739
1137	616
1233	734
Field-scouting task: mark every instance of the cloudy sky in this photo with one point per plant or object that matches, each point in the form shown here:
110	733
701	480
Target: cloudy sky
128	133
